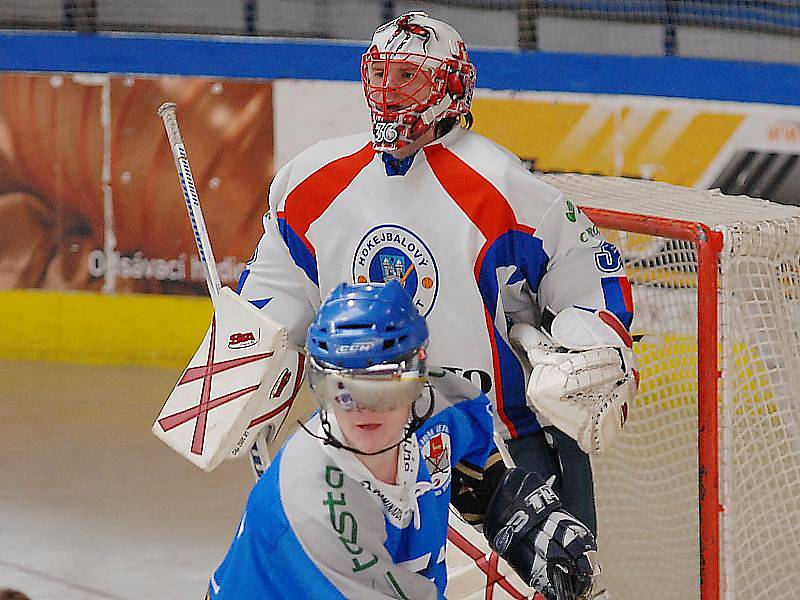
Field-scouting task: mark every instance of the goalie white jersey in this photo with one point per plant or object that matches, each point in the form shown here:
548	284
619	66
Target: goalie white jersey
472	235
318	521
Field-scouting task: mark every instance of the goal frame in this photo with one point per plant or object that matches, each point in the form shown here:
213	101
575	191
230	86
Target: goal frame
708	243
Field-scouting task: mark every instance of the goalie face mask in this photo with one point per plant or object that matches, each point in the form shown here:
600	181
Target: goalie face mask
415	73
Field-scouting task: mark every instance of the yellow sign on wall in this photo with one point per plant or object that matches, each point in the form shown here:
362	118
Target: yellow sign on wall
608	136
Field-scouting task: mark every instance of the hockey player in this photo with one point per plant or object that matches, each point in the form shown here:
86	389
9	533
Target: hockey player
499	263
356	506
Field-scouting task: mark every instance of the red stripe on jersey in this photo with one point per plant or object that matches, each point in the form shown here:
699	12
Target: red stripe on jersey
612	321
486	207
312	197
627	293
491	213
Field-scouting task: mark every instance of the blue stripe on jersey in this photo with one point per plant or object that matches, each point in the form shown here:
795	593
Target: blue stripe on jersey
242	278
301	254
515	404
615	300
517	248
260	303
289	574
527	253
409	544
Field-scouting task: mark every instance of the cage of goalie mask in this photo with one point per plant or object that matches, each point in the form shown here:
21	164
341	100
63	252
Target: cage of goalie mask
415	73
366	348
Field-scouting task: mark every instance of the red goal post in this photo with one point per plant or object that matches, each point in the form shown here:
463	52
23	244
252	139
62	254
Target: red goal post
735	263
708	244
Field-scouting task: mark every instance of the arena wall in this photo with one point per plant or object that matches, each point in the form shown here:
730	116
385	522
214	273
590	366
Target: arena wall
97	261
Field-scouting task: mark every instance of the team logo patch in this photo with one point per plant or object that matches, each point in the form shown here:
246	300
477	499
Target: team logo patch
389	252
436	451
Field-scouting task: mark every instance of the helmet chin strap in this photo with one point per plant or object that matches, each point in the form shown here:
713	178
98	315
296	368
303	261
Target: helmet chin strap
329	439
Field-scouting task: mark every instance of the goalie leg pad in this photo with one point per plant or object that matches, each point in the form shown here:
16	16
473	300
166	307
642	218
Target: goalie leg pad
234	377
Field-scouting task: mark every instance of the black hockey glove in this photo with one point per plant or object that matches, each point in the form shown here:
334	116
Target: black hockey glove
546	546
473	487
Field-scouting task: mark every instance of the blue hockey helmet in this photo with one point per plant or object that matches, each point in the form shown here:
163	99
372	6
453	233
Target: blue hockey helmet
366	348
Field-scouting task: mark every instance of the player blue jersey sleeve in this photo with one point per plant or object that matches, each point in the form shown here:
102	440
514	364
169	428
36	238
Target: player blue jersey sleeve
469	415
266	559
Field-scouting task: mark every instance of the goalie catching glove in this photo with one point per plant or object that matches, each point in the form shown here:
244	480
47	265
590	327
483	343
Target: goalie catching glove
547	547
583	377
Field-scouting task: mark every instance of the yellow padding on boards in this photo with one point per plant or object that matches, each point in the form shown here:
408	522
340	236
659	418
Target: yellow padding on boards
668	370
86	327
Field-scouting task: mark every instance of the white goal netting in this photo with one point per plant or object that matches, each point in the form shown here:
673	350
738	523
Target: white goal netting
647	487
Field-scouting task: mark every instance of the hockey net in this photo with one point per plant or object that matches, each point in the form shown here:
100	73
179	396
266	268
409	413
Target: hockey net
704	485
716	283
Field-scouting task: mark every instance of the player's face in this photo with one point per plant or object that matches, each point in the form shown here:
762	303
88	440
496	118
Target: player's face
369	430
406	84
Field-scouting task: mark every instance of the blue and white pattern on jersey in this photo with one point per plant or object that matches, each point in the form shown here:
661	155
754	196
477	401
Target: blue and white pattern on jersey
318	523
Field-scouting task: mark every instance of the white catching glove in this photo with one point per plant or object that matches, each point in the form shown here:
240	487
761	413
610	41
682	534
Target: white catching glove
583	377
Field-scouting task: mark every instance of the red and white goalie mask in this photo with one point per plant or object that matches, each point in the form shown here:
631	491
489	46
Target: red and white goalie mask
415	73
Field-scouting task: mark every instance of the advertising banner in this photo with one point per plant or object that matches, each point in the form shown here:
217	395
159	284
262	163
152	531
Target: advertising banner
89	195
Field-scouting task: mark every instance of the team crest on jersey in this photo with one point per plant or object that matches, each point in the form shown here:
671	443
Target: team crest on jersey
436	451
389	252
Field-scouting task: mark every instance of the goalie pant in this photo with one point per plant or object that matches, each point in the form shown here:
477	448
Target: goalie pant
472	235
317	523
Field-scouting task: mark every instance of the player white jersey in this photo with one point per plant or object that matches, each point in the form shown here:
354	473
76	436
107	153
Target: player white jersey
471	234
318	520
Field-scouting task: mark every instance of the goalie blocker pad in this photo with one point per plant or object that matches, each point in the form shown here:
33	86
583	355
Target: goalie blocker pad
243	377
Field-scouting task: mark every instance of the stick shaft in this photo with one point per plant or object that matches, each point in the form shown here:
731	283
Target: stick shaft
504	453
201	239
563	585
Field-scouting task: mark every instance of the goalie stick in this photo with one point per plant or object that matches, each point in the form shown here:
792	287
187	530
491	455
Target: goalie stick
167	113
243	377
